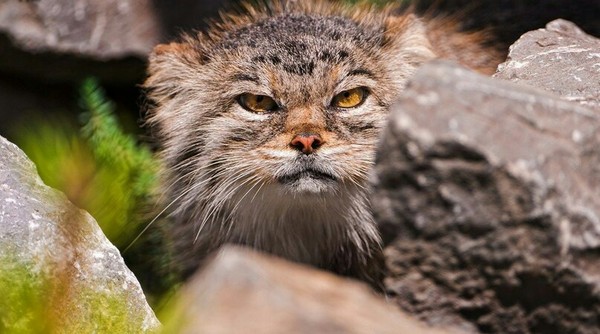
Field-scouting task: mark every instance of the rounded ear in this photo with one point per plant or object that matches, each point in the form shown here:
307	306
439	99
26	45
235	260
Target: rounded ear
173	47
407	31
172	57
170	66
406	36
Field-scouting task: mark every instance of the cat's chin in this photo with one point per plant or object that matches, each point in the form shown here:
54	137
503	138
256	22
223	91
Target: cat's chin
309	182
311	186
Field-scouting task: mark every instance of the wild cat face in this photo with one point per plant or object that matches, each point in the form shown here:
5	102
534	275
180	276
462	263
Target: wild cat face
268	125
302	110
293	102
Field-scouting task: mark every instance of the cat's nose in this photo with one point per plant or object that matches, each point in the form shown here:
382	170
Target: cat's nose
306	142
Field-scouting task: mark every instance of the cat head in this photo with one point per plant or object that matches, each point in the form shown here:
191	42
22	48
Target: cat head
292	96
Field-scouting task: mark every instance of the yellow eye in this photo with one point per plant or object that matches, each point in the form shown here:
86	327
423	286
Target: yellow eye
350	98
257	103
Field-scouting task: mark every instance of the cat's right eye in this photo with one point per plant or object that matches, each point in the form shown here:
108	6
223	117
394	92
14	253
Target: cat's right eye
257	103
351	98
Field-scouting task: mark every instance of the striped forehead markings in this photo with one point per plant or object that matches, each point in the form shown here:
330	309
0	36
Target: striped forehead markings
297	61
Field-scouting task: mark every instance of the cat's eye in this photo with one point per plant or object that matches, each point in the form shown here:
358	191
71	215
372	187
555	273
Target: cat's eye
350	98
257	103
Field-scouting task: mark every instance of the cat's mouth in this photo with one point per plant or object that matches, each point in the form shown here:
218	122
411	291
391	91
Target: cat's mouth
306	174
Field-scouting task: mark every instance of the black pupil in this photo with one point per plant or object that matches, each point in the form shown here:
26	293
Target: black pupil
260	98
346	94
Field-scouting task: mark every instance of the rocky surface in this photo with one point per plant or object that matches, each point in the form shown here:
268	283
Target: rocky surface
79	280
241	291
71	37
102	29
486	192
561	59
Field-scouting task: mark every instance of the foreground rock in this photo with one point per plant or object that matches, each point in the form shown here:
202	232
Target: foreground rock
241	291
58	272
487	195
560	58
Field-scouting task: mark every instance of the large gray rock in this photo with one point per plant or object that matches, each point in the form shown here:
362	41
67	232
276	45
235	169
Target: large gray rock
63	40
102	29
241	291
560	58
487	195
73	278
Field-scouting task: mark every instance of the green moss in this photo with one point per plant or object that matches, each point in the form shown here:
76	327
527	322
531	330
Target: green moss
34	303
103	312
23	303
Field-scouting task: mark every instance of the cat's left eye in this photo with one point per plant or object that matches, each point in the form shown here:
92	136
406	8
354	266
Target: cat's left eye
257	103
350	98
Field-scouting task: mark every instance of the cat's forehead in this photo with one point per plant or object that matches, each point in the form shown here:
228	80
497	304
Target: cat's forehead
282	29
299	43
298	57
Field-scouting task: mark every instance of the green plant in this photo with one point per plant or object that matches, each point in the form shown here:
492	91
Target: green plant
125	173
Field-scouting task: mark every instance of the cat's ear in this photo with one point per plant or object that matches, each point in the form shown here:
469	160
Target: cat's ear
407	33
171	68
173	48
172	62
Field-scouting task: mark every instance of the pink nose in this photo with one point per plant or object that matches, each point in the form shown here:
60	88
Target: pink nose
306	142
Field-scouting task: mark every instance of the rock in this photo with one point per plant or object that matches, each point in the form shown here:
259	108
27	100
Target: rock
241	291
57	270
60	40
101	29
561	59
486	192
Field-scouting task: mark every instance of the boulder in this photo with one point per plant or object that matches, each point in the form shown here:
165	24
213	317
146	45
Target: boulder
58	272
561	59
486	192
60	40
241	291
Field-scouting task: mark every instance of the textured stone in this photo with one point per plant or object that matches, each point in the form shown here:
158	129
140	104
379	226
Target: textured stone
486	193
45	239
560	58
101	29
66	40
241	291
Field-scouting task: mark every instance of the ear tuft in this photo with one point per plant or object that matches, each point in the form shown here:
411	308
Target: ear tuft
397	24
173	47
407	34
171	68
